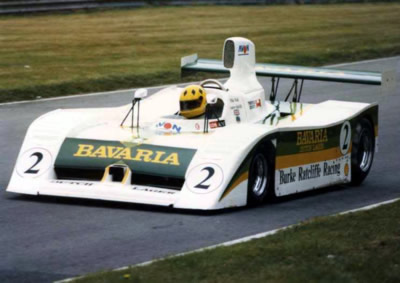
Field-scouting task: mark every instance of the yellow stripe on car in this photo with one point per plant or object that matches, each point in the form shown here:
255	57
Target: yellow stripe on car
298	159
238	181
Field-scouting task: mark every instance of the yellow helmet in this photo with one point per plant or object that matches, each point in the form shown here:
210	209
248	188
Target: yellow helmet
192	101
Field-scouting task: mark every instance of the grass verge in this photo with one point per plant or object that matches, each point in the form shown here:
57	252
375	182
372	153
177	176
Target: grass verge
357	247
53	55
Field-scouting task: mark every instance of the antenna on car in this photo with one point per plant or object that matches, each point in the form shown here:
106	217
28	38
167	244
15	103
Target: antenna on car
138	96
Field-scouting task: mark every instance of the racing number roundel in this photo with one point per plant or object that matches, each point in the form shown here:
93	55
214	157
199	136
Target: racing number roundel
204	178
34	162
345	137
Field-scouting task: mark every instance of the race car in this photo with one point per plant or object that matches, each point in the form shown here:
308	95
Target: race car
206	146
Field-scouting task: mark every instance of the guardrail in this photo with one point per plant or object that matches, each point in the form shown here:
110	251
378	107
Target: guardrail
35	6
31	6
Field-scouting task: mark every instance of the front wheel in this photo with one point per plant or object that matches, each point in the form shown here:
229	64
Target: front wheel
362	153
260	184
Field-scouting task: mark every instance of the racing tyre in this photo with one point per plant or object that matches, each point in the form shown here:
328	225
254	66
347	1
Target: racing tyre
362	153
261	175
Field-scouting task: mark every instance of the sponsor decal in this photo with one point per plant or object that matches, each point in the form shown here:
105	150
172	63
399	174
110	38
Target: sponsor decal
304	177
312	140
307	172
170	127
213	124
311	158
34	162
75	183
197	126
140	158
311	171
346	169
345	137
204	178
234	99
312	137
217	124
287	176
238	106
308	146
254	104
153	190
125	153
243	49
331	169
236	112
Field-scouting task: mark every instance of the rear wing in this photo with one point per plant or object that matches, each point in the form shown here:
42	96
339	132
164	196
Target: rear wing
192	63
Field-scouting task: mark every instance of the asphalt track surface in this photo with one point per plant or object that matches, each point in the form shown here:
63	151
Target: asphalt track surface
43	239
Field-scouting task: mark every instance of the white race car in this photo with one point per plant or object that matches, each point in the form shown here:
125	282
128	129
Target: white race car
208	146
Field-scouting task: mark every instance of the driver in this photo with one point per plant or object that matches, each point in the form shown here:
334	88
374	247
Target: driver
192	101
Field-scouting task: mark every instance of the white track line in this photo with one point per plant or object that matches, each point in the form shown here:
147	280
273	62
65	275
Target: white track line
237	241
95	93
154	87
78	95
225	244
363	62
368	207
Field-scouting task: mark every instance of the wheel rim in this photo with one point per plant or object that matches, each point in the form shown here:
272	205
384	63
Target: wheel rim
259	169
366	150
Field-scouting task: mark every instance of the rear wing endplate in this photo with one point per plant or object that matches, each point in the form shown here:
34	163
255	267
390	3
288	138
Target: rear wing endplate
192	63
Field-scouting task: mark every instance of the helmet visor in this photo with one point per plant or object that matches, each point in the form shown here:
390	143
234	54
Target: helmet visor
191	104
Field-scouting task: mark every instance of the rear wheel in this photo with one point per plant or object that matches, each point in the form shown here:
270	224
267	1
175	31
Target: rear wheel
362	153
260	184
